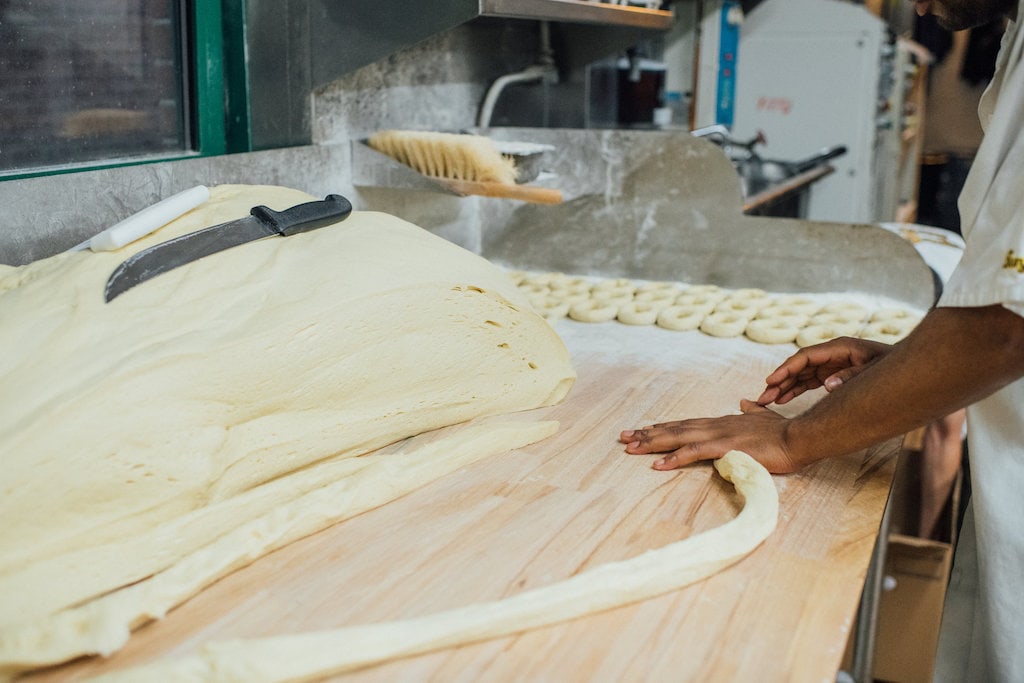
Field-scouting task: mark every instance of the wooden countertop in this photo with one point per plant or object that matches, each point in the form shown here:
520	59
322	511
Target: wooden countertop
573	501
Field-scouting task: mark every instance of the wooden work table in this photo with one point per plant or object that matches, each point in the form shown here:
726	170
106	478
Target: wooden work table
575	500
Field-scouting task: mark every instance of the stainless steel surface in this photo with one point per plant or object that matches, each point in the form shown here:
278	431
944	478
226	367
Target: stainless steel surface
658	205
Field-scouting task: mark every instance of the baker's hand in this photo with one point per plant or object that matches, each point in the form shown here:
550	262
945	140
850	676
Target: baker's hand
757	431
828	365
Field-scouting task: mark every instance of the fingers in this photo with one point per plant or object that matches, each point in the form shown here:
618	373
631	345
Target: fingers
683	442
682	458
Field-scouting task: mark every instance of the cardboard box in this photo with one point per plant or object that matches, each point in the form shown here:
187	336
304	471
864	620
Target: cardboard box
910	608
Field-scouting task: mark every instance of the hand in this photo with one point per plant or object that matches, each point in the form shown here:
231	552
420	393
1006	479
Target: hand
828	365
757	431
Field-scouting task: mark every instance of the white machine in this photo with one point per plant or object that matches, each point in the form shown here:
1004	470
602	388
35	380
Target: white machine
818	73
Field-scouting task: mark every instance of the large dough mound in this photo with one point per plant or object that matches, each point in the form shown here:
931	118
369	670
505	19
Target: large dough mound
197	386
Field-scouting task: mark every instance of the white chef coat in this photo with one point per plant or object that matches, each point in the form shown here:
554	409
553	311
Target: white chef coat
983	623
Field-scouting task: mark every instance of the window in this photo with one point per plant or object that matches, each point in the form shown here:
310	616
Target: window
106	81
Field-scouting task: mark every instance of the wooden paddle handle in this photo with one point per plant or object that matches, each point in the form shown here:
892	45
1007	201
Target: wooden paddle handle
526	193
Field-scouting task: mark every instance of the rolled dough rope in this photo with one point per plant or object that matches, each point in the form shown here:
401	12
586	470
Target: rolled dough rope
724	324
681	318
638	313
772	330
887	331
818	334
289	509
319	654
594	310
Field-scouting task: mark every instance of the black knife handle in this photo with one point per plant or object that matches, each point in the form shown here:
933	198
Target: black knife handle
304	217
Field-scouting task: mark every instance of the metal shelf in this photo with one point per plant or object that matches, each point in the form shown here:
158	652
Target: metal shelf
578	11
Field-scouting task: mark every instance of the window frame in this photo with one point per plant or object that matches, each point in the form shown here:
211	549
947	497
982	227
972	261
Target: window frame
207	59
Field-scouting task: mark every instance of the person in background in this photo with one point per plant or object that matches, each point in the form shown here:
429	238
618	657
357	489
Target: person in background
968	351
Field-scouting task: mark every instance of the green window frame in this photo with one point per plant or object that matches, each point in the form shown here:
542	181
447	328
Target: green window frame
215	98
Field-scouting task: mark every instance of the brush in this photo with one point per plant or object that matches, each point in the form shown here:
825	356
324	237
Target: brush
466	164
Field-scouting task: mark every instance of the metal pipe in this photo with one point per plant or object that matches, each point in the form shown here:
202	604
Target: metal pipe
544	70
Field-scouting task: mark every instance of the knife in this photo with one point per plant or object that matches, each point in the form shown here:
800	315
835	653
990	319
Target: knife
146	221
261	222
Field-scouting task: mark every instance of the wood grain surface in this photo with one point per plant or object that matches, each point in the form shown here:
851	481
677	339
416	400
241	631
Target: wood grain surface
568	503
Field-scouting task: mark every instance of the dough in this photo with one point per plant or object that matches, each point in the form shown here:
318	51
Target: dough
888	331
594	310
892	314
747	308
797	303
848	309
658	297
724	324
748	293
818	334
668	289
616	288
681	318
638	313
322	653
793	315
550	306
203	386
705	290
706	302
549	279
277	514
841	324
771	330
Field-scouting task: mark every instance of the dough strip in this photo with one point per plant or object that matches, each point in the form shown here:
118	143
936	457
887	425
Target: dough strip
308	656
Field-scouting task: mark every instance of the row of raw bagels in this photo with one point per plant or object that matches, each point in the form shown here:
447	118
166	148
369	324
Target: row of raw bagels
717	311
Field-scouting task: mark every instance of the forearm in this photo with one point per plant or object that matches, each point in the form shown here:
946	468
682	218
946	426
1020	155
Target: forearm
955	357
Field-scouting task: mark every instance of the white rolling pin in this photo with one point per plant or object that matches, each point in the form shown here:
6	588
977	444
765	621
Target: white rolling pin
146	221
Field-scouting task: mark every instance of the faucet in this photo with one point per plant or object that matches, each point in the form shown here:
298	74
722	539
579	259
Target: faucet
544	71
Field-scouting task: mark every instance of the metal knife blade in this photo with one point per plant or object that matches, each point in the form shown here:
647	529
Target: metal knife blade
262	222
